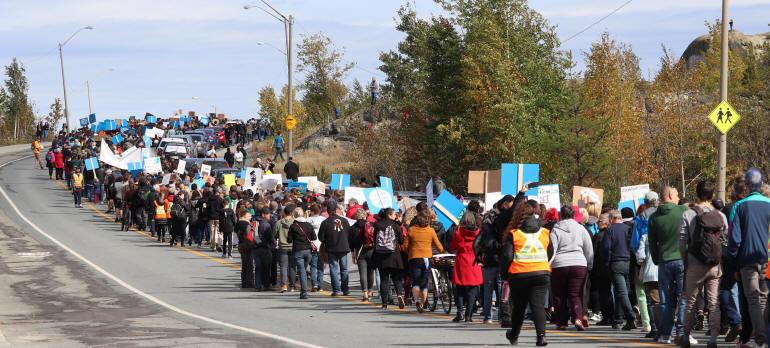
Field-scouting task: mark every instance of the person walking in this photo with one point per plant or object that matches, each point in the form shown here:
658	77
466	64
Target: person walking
278	143
572	259
388	239
335	237
36	147
227	221
180	211
701	242
617	250
664	228
301	236
261	251
363	244
417	243
285	259
748	245
487	251
467	276
77	187
316	264
291	169
526	250
59	163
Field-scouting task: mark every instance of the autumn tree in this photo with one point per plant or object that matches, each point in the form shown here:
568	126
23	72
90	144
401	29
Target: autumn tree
55	114
325	70
18	120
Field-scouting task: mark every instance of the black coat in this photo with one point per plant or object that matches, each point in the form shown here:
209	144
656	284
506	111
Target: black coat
335	234
391	260
300	235
291	169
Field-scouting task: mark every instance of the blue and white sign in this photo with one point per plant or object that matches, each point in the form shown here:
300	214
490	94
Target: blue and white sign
449	209
92	118
300	186
340	181
135	166
84	122
109	125
94	128
117	139
514	176
151	119
632	196
378	199
204	121
92	163
386	183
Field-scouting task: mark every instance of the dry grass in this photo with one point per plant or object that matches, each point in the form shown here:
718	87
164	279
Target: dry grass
312	162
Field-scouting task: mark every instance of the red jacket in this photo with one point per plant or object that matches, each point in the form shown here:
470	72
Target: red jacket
58	160
351	214
467	272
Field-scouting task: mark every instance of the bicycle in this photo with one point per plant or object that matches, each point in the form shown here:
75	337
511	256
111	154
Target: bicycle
440	287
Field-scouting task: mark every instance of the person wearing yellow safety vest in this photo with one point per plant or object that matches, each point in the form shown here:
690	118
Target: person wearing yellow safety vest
77	187
162	215
525	255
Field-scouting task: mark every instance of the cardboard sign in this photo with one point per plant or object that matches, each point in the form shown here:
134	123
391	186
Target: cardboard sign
449	209
205	169
548	195
632	196
307	179
210	179
180	167
514	176
317	187
584	195
166	179
270	181
484	181
152	165
91	163
229	181
300	186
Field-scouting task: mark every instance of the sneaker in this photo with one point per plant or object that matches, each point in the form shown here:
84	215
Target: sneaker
630	325
664	340
303	296
651	334
336	293
488	321
733	333
284	289
596	317
419	307
401	303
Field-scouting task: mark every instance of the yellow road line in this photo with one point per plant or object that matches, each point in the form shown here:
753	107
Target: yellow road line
352	299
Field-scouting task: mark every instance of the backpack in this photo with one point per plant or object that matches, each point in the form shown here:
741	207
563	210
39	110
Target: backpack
194	213
252	236
178	211
368	235
705	242
641	226
386	240
139	197
49	157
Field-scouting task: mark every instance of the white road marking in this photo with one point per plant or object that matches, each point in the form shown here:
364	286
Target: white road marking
40	254
140	292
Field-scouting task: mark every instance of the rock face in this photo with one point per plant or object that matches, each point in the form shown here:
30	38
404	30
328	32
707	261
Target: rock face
339	132
739	43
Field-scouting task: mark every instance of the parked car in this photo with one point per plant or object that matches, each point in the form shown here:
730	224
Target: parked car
215	163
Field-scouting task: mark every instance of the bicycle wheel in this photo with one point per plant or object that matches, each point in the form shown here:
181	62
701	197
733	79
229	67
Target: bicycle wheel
447	293
433	291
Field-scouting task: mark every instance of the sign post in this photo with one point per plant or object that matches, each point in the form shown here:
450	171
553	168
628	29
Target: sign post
722	171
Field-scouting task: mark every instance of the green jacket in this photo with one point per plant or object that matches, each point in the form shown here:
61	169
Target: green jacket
664	228
282	231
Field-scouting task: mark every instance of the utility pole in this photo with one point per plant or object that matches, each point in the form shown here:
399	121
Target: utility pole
722	173
64	87
88	90
289	23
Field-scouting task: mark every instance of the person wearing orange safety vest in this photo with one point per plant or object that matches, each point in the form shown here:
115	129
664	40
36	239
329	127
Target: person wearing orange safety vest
77	187
162	216
525	255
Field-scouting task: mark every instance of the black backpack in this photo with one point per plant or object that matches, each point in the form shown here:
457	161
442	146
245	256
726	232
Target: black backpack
178	212
706	240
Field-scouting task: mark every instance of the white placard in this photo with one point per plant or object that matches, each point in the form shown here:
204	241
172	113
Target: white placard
152	165
205	170
180	167
307	179
355	192
252	179
270	181
548	195
166	179
490	198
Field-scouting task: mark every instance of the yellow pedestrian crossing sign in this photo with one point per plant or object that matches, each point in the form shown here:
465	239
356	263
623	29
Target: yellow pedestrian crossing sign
724	117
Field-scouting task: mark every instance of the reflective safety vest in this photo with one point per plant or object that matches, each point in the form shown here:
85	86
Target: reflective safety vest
168	209
530	251
160	211
77	181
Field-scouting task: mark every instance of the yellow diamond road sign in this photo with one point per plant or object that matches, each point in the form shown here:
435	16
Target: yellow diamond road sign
290	122
724	117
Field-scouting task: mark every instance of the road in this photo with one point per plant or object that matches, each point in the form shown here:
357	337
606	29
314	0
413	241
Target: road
77	280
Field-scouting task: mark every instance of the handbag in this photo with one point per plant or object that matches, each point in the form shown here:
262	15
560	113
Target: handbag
313	248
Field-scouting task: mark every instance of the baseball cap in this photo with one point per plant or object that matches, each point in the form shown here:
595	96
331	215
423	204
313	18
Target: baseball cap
651	196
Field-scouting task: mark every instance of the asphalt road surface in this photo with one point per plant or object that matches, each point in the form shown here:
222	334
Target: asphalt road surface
72	278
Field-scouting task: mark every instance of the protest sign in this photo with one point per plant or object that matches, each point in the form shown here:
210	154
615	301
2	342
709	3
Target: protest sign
449	209
355	192
166	179
300	186
92	118
270	181
199	183
229	180
378	199
117	139
152	165
252	178
307	179
584	195
514	176
84	122
386	184
632	196
490	198
205	169
484	181
340	181
548	195
180	167
91	163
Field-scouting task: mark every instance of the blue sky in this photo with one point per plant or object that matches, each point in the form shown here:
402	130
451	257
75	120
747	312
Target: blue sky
164	52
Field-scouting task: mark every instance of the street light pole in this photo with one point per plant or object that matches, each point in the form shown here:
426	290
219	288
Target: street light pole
288	23
722	172
63	81
88	90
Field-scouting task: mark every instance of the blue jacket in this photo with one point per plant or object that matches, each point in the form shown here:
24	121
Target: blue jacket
748	230
615	243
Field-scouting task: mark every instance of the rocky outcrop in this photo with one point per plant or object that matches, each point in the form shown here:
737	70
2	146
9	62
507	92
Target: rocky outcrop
739	43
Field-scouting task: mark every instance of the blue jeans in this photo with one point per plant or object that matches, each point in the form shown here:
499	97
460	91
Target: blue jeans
491	284
671	284
316	271
338	265
89	192
728	291
302	260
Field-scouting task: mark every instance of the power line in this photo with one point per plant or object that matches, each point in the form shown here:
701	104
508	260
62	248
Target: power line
598	21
